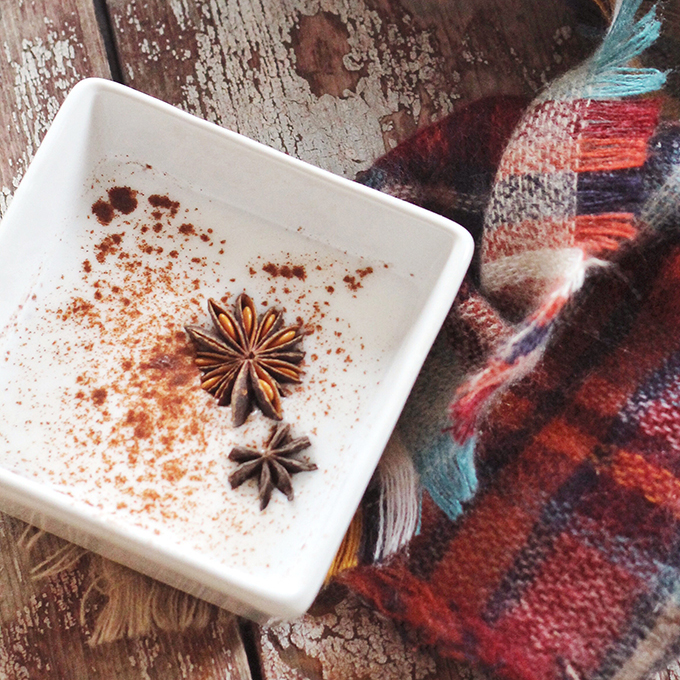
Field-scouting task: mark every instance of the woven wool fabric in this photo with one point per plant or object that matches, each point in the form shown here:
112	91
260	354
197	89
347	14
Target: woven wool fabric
449	168
552	547
566	191
566	194
567	564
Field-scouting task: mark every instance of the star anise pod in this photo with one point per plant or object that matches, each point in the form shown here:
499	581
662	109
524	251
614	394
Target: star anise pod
247	359
273	465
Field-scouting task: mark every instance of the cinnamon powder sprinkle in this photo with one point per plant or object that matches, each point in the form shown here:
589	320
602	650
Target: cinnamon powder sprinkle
157	383
99	396
108	246
286	271
158	201
352	283
147	404
123	199
103	211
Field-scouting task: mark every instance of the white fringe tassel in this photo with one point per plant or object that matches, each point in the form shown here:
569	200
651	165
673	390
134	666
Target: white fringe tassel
399	499
134	604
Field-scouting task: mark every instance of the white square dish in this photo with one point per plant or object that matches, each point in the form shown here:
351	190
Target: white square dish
132	215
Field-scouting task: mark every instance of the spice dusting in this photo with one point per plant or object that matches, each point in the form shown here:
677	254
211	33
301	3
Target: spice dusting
143	441
164	202
286	271
121	199
103	210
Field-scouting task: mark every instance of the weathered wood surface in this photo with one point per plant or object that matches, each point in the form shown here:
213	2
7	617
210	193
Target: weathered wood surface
337	82
334	82
45	631
47	47
343	639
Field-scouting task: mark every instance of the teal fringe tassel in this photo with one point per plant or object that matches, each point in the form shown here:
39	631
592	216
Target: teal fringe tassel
627	38
448	473
607	75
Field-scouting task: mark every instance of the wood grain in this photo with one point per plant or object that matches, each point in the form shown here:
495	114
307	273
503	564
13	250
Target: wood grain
47	47
338	82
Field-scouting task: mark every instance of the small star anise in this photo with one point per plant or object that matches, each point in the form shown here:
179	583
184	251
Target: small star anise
273	465
246	360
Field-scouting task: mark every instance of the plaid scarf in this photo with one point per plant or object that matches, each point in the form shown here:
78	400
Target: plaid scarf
549	538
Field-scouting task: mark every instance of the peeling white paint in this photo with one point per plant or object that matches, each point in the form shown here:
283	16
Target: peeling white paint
42	70
5	199
351	641
180	10
274	104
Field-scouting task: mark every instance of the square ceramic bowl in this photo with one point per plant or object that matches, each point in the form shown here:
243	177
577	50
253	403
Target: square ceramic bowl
132	215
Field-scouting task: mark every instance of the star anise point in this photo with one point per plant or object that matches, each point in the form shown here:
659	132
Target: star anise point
273	465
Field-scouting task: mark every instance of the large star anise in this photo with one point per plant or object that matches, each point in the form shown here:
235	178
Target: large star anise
273	465
246	360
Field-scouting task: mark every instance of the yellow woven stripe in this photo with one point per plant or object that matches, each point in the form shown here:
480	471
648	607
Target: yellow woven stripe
606	7
348	553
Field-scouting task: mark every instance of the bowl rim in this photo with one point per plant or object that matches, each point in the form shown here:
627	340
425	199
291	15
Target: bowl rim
35	502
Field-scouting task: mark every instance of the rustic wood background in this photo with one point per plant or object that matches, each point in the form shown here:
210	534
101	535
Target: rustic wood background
335	83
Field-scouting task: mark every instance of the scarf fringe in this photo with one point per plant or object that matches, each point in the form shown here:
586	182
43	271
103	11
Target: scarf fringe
62	557
599	233
453	481
614	135
348	553
606	75
399	500
134	605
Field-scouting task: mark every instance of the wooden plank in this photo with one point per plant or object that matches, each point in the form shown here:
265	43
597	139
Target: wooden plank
338	83
47	47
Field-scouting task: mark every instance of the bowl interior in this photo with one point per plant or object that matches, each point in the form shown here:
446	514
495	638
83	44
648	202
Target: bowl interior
97	291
